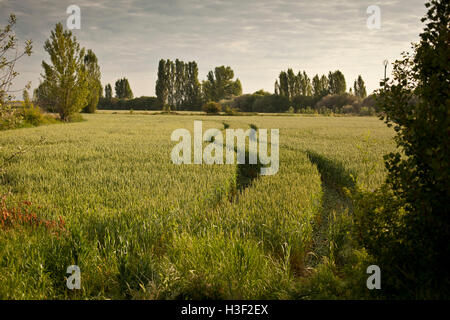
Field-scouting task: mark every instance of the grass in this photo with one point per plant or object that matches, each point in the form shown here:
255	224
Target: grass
141	227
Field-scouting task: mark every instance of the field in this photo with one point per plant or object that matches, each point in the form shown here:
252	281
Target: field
141	227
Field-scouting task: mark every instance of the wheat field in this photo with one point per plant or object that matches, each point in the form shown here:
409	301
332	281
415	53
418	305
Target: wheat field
140	227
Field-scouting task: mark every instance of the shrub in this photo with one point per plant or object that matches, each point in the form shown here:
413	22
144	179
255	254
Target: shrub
244	102
347	109
271	103
406	224
212	107
336	102
9	118
303	102
230	111
32	115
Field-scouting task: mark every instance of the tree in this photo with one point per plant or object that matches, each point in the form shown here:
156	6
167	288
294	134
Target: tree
65	80
108	92
336	82
324	85
305	84
317	90
277	88
293	84
360	88
9	55
123	89
192	86
94	83
407	231
219	84
177	84
320	86
170	72
284	84
180	83
162	86
237	88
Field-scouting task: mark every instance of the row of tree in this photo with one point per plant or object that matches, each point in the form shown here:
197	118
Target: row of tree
178	84
291	85
71	82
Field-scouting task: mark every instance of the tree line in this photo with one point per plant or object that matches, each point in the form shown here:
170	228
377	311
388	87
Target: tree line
297	92
71	83
292	85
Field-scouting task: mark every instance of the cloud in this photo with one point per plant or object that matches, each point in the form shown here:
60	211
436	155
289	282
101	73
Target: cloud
256	38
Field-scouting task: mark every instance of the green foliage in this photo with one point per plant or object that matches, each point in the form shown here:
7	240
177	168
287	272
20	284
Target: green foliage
65	80
336	102
94	83
162	84
405	225
360	88
32	115
177	85
291	85
123	89
336	82
108	92
141	103
9	117
219	85
230	111
212	107
259	102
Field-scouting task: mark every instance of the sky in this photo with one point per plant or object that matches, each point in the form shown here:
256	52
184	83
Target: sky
256	38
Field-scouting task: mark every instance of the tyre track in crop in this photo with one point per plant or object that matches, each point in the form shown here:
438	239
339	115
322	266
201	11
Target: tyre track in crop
328	236
246	173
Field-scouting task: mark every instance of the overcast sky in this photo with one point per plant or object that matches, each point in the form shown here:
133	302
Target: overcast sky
256	38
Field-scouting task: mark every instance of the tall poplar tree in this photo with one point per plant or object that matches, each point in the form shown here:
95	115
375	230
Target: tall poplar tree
359	88
337	83
108	92
65	78
192	85
94	83
123	89
162	87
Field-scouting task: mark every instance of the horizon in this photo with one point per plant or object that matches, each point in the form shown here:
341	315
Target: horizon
315	37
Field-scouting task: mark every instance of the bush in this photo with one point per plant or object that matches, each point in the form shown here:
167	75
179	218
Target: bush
212	107
348	109
32	115
244	103
303	102
307	110
230	111
9	117
139	104
270	104
367	111
336	102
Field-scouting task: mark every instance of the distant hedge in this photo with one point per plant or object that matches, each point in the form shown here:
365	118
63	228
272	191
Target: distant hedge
141	103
